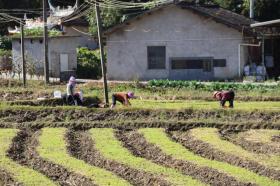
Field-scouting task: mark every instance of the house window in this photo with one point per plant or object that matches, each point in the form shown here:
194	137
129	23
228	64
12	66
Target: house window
156	57
207	65
192	63
220	62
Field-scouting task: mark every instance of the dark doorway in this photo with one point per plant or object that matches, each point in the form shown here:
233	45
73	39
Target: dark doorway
272	57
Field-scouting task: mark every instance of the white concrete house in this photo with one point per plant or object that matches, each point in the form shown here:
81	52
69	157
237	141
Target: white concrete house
62	49
180	42
62	54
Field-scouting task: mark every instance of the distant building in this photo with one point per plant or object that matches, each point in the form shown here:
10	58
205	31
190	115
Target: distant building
180	42
62	54
62	48
269	34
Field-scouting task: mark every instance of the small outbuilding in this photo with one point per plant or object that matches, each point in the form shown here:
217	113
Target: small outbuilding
180	41
269	34
62	54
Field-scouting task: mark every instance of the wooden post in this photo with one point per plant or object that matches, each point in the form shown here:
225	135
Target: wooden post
102	56
46	51
22	54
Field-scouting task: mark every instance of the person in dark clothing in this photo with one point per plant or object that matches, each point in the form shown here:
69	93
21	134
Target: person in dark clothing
122	97
224	96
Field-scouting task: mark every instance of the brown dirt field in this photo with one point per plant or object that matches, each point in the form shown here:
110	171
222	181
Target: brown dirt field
23	151
205	150
6	179
137	144
256	147
81	146
52	121
275	138
91	115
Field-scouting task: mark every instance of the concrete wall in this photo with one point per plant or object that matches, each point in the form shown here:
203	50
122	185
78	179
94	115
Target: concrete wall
184	34
57	46
82	31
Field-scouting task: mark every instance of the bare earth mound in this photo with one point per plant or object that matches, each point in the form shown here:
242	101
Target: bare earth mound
23	151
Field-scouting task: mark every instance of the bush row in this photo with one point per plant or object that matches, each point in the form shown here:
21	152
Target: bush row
211	86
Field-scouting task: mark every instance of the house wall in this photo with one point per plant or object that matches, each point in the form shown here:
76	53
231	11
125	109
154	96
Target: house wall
82	31
57	46
184	33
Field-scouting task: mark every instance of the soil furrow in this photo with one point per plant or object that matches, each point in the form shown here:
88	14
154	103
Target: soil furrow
256	147
139	146
128	124
7	179
81	146
205	150
23	150
58	115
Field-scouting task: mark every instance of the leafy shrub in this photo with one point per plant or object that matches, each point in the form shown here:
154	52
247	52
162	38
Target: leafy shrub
39	32
89	63
195	85
5	52
5	43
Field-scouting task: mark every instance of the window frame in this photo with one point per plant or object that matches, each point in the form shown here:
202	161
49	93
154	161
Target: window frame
203	59
148	58
217	63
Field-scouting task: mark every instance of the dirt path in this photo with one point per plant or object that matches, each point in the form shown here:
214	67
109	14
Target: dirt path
23	151
81	146
136	143
205	150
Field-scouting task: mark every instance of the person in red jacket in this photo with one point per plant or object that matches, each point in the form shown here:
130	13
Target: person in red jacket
122	97
224	96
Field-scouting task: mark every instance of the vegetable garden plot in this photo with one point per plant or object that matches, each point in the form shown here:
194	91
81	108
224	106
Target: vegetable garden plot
259	141
204	149
23	151
19	173
111	148
53	147
82	146
159	138
139	146
212	137
145	156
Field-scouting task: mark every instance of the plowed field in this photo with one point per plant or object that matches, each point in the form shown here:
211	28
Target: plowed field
139	156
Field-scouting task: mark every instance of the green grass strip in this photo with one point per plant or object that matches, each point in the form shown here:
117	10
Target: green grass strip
205	105
53	147
211	136
111	148
159	138
20	173
259	136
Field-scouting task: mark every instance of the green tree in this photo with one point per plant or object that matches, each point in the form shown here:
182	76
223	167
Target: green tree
89	64
109	17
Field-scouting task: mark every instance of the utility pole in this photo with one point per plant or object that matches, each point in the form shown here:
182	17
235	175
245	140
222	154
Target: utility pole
252	9
22	54
102	56
46	49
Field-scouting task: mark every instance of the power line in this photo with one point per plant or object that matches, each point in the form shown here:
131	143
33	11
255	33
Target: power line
118	4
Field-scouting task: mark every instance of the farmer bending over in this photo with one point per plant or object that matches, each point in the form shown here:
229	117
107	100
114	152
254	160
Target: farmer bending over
122	97
72	97
224	96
